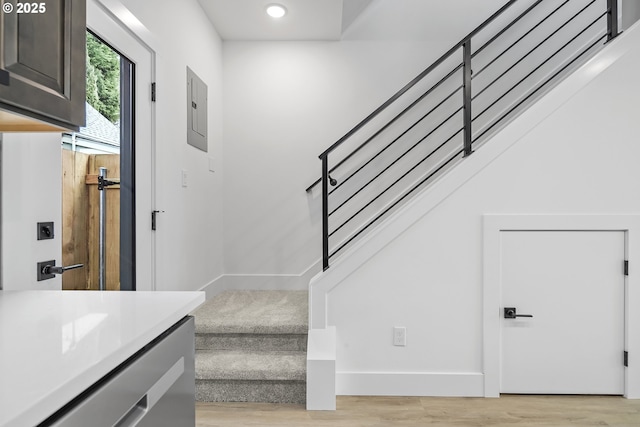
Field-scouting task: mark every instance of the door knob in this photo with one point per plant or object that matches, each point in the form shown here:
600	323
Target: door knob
511	313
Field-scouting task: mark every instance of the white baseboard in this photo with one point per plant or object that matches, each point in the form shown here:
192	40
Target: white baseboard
410	384
268	282
210	288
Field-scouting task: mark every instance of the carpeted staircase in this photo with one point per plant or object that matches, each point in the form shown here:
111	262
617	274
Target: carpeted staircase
251	347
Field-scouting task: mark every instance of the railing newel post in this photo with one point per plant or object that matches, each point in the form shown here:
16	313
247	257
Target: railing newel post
325	211
466	75
612	19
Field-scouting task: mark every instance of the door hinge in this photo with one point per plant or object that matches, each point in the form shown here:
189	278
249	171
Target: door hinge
626	359
153	91
626	267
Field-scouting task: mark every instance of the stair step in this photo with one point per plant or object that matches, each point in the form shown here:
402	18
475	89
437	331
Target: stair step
254	312
251	376
264	342
251	365
251	391
251	347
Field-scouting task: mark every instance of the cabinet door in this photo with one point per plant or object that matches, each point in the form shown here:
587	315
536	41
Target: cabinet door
43	49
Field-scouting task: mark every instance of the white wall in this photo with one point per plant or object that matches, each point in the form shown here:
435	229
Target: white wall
630	10
31	192
285	102
420	20
580	159
189	234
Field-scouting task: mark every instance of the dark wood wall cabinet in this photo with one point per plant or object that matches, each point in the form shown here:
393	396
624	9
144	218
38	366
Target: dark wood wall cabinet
42	65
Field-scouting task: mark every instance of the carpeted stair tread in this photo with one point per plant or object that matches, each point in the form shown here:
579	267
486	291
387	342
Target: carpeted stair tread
251	365
254	312
251	391
263	342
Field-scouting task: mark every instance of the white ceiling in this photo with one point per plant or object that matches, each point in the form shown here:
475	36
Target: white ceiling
305	20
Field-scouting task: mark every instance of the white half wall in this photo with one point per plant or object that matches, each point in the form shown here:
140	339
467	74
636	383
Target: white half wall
572	153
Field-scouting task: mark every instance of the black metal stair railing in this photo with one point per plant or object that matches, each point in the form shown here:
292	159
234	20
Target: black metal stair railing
457	103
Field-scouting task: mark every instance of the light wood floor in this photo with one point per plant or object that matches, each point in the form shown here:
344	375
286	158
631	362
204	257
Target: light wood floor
508	410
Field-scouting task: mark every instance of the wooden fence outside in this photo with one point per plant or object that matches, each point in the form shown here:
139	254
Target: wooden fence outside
80	220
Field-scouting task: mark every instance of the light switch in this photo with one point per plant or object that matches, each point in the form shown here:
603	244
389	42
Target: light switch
212	164
185	178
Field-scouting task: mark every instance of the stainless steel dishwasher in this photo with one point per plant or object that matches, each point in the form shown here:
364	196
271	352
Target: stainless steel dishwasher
154	388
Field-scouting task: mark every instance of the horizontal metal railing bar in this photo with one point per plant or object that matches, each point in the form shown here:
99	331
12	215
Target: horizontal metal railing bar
417	79
403	154
532	50
522	37
540	66
539	87
344	180
384	212
413	104
394	183
505	29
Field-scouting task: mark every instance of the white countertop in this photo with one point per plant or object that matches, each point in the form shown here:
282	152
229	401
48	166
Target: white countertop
55	344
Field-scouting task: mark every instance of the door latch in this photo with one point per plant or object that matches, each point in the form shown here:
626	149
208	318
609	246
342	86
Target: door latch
104	183
510	313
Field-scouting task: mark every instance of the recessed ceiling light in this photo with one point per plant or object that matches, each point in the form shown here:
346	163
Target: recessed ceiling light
276	10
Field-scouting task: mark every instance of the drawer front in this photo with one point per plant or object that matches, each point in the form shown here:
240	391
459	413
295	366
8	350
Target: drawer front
155	389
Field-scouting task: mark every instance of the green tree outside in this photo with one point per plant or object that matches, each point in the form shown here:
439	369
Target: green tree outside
103	78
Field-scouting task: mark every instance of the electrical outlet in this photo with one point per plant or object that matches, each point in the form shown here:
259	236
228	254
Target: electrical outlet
400	336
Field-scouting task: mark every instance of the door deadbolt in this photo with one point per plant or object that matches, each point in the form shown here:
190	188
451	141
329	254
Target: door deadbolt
45	230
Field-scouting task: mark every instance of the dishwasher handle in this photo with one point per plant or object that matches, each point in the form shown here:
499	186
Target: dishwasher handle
152	396
135	414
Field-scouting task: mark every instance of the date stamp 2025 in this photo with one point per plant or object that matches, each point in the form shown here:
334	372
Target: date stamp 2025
20	8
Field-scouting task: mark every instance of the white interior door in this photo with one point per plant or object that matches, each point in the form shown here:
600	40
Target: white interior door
572	283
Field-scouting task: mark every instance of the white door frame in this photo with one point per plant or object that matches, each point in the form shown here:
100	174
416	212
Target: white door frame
113	22
494	224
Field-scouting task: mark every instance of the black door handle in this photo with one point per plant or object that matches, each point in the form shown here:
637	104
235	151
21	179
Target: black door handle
510	313
52	269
